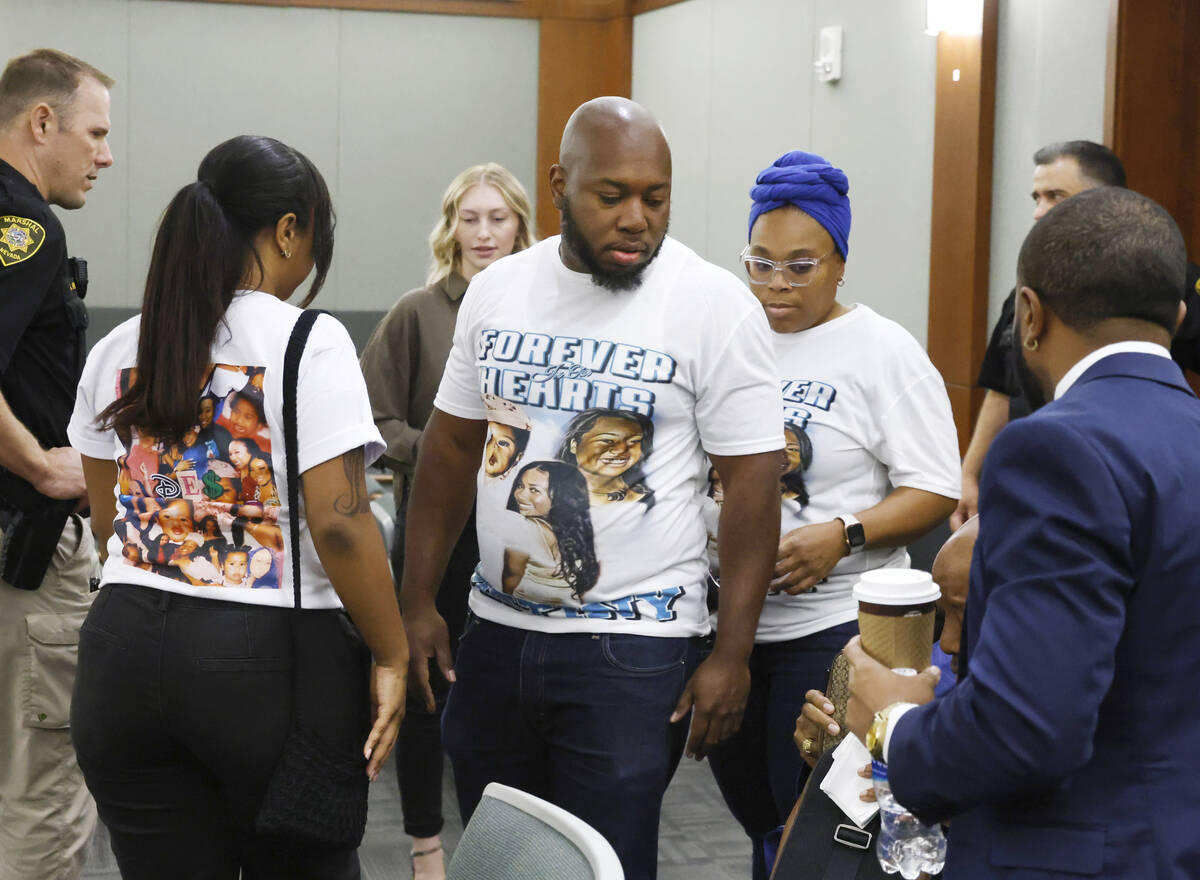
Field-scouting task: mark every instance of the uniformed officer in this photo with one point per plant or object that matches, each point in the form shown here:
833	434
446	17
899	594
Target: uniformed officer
53	142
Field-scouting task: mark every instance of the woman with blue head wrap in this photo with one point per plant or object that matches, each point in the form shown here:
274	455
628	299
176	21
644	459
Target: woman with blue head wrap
875	466
800	222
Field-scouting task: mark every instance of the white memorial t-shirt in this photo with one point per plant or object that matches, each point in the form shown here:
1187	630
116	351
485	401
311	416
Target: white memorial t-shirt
600	406
865	412
209	516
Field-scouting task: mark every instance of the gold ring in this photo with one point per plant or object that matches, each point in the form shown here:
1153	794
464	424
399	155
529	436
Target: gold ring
807	745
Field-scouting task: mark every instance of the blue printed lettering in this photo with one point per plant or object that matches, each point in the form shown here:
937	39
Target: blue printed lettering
796	415
793	390
566	371
820	395
573	395
809	393
534	349
624	608
604	394
542	392
508	343
594	355
489	380
591	611
638	400
662	601
486	340
563	349
627	361
514	384
515	602
657	367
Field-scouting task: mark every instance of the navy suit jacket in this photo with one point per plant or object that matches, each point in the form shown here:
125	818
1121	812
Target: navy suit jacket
1072	746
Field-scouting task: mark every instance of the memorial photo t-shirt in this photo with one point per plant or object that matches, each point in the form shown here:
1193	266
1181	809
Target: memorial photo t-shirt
600	406
864	412
208	516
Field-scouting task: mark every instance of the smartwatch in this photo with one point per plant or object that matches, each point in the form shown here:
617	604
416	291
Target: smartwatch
856	538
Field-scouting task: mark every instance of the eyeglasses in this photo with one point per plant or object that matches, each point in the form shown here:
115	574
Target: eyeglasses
797	273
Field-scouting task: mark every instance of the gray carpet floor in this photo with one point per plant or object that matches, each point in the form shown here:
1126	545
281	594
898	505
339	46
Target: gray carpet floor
698	839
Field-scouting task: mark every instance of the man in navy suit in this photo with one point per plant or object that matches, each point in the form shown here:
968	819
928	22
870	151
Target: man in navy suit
1069	748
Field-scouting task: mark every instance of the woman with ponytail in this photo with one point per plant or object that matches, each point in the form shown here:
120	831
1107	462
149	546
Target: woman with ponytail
183	701
872	465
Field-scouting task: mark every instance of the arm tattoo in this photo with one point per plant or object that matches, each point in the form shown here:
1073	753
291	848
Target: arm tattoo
354	500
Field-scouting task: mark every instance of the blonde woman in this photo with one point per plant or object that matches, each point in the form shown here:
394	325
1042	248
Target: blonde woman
485	216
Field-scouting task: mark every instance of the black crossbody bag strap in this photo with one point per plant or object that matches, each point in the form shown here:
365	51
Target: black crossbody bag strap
291	378
317	795
824	844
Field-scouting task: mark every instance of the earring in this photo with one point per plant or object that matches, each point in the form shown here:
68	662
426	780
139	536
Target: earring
1030	344
287	255
841	282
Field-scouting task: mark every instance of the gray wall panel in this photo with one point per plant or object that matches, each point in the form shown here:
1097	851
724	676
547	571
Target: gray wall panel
98	32
732	82
672	77
877	124
390	106
1048	88
423	97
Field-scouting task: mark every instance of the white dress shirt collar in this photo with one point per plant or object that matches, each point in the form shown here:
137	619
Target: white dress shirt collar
1073	374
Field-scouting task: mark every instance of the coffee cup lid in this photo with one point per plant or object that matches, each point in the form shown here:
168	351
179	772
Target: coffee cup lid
896	586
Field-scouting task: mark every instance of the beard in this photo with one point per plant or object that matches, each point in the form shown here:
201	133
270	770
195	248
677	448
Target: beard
1027	380
614	280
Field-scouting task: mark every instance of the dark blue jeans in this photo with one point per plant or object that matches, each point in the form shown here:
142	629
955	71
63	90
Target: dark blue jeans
759	768
579	719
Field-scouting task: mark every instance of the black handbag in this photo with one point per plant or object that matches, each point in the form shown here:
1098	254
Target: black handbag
317	796
822	842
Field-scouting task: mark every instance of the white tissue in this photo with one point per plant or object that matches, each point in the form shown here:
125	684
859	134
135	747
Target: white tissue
843	784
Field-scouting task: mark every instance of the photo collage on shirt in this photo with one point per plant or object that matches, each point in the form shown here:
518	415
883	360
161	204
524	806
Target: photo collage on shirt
598	458
798	457
205	511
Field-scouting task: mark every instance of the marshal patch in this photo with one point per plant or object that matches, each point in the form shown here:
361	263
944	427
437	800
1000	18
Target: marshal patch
20	239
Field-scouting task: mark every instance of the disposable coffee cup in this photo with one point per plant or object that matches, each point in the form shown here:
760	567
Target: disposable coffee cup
896	612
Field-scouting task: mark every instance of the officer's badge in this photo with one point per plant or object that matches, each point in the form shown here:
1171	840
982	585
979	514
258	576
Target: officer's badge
20	239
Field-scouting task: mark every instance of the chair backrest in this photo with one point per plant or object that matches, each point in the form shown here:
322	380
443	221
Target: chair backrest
385	523
516	836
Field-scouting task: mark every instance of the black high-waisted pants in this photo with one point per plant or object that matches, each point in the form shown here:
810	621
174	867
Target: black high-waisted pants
180	711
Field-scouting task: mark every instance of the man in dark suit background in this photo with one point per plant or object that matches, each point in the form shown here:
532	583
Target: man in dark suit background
1068	749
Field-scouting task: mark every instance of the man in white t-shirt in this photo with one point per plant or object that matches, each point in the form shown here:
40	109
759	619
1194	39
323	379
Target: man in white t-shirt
629	358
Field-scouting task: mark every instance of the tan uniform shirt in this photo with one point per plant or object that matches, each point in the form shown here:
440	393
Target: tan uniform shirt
403	364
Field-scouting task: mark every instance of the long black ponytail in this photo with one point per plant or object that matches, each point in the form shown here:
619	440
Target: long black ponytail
204	247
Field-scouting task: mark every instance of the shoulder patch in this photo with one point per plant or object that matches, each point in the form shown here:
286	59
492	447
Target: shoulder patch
1198	285
20	239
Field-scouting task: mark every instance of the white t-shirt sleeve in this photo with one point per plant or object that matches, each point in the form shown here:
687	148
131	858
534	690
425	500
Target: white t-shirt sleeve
919	441
85	435
738	403
458	394
333	412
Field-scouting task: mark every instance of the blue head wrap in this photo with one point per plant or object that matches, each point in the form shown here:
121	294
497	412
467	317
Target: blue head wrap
812	185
